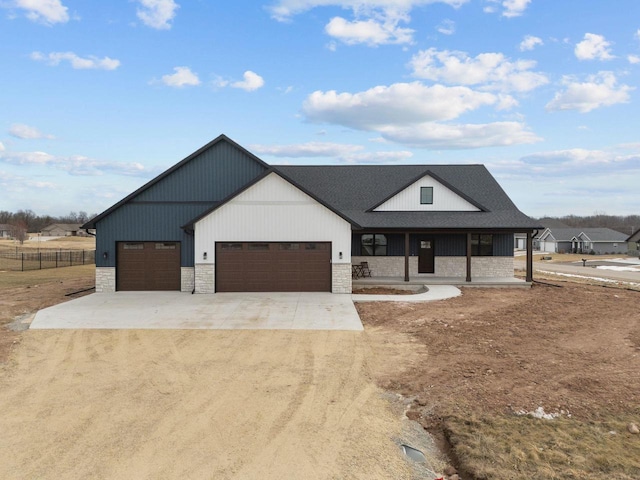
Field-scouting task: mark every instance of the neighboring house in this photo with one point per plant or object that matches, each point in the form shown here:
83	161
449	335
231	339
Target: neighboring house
5	230
633	242
583	240
520	239
63	230
224	220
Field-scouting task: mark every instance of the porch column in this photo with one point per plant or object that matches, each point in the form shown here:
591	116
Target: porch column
406	256
468	257
529	275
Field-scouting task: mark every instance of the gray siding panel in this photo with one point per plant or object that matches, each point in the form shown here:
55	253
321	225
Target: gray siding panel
503	245
205	178
157	213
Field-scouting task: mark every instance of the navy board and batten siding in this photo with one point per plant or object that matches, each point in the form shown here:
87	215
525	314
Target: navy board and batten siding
203	181
446	245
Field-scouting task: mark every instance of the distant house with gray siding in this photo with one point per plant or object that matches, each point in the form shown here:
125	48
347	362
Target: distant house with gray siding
583	240
5	230
63	230
633	242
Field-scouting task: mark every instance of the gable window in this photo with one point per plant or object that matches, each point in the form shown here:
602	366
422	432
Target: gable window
426	195
482	245
373	244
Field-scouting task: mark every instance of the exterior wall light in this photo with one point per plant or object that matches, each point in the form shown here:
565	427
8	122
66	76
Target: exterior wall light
340	255
105	255
204	256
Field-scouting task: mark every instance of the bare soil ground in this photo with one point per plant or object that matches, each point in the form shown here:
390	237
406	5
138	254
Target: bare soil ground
198	404
145	404
575	348
491	353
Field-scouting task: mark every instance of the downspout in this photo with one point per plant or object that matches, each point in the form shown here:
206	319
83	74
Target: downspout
190	232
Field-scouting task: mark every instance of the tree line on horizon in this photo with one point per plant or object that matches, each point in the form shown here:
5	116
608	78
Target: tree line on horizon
626	224
28	221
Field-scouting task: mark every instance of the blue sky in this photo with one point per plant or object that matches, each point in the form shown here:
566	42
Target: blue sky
99	97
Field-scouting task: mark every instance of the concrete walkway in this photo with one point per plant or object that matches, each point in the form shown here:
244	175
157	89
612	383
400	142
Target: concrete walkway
435	292
223	311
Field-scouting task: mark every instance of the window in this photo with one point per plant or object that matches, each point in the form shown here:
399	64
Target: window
165	246
230	246
426	195
373	244
482	245
134	246
289	246
258	246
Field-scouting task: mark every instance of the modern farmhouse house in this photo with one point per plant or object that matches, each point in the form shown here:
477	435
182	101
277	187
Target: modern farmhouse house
223	220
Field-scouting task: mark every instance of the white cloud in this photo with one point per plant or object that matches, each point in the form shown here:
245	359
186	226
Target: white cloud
47	12
157	13
448	136
375	22
378	157
514	8
493	71
19	130
309	149
76	164
593	47
343	152
410	113
633	59
400	103
559	163
370	32
511	8
2	148
90	62
182	77
446	27
16	183
601	90
284	10
530	42
252	81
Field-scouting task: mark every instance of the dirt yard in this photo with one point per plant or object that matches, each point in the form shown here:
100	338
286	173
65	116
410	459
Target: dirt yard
192	404
574	351
257	404
575	348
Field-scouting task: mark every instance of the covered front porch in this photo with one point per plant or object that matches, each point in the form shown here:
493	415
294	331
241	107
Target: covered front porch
452	257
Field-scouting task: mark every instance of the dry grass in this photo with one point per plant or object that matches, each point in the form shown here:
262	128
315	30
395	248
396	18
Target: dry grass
61	243
572	257
520	447
40	277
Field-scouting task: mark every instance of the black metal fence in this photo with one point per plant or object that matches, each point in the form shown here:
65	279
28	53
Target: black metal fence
22	261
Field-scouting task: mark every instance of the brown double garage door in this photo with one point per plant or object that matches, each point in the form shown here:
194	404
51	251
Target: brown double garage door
148	266
273	267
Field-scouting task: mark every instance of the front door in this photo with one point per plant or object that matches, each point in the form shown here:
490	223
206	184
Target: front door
426	255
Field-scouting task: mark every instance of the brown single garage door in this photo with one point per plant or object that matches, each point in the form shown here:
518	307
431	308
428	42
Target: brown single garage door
273	267
148	266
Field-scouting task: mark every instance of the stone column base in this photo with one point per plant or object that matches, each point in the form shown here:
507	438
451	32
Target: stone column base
105	279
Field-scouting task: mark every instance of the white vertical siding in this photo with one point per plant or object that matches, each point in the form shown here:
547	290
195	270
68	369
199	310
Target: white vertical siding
444	200
273	210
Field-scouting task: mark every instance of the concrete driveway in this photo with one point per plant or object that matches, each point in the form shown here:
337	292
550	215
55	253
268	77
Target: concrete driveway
221	311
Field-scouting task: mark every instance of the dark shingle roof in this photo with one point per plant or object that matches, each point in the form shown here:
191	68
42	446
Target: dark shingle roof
594	234
355	189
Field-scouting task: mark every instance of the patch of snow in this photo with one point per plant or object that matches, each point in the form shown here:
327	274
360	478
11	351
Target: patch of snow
599	279
540	413
618	269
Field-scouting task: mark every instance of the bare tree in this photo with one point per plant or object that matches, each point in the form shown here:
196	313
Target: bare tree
19	231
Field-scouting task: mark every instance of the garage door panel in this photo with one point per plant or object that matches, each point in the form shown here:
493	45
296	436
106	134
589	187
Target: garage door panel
148	266
275	266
